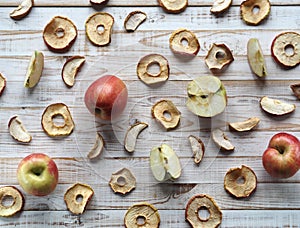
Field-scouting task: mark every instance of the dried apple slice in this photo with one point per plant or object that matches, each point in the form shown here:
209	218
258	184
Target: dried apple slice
296	89
276	107
220	6
198	148
77	198
97	149
255	11
134	20
256	58
22	10
18	131
98	28
132	134
122	181
99	2
17	204
178	39
222	140
53	129
71	68
173	6
206	96
246	125
35	70
2	83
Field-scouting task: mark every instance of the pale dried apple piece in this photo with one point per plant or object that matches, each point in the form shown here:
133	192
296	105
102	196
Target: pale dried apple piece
145	212
220	6
97	148
122	181
256	58
77	198
178	45
134	20
52	129
296	89
18	131
173	6
22	10
2	83
198	148
17	204
35	70
222	140
253	12
202	201
240	182
132	134
71	68
99	2
276	107
246	125
98	28
166	113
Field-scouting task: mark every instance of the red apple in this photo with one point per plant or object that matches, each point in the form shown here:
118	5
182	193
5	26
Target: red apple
106	97
37	174
282	157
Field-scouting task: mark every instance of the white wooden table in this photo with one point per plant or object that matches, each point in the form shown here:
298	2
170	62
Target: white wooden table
275	203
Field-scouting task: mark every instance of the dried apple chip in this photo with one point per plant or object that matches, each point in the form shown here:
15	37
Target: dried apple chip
2	83
132	134
246	125
222	140
17	204
276	107
173	6
18	131
220	6
198	148
296	89
71	68
97	148
255	11
22	10
122	181
134	20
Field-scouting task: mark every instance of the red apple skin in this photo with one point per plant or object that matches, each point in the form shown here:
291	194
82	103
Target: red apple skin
106	98
282	157
33	183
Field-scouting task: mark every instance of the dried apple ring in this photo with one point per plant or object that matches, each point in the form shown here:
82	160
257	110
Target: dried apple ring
60	34
2	83
52	129
178	39
255	11
240	182
142	215
17	204
122	181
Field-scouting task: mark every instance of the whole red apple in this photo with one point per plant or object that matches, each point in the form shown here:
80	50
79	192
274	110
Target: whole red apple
282	157
37	174
106	97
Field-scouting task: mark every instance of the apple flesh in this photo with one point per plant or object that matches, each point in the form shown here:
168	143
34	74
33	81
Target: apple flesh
106	97
282	157
37	174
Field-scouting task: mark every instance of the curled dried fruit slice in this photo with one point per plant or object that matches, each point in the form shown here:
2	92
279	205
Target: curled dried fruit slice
199	202
17	198
77	198
166	113
173	6
143	69
220	6
285	49
18	131
99	2
22	10
133	20
246	125
2	83
256	58
132	134
222	140
53	129
122	181
276	107
71	68
183	41
97	148
295	88
35	70
98	28
60	34
255	11
240	182
198	148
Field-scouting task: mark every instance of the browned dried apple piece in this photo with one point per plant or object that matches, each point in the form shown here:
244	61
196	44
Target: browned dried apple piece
246	125
276	107
142	215
18	131
132	134
53	129
220	6
99	2
296	89
122	181
97	148
77	198
240	182
256	58
22	10
183	41
98	28
222	140
10	192
166	113
71	68
199	202
198	148
218	57
285	49
255	11
133	20
173	6
2	83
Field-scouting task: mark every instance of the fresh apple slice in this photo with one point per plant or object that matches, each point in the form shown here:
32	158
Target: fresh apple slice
22	10
253	12
173	6
2	83
220	6
97	148
71	68
276	107
206	96
134	20
198	148
296	89
122	181
17	204
18	131
35	70
256	58
222	140
246	125
132	134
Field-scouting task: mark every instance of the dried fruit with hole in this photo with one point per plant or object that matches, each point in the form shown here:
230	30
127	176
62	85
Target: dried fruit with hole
142	215
246	125
173	6
276	107
205	202
98	28
166	113
253	12
220	6
122	181
222	140
198	148
296	89
256	58
134	20
22	10
97	148
71	68
240	182
77	198
35	70
285	49
53	129
10	192
18	131
184	42
132	134
2	83
99	2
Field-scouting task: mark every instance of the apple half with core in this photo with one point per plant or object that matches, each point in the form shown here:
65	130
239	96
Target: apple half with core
282	157
106	97
37	174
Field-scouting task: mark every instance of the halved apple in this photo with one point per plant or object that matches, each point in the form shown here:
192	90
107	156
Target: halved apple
256	58
22	10
71	68
35	70
276	107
